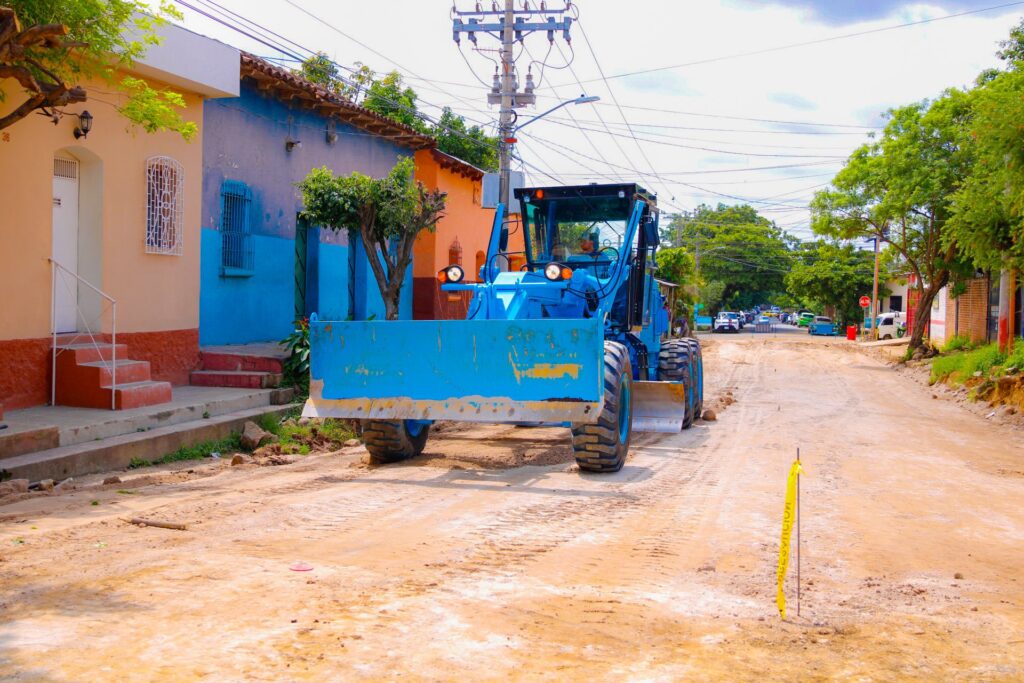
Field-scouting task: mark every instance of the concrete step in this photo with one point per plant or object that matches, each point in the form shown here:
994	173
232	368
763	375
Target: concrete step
90	353
235	378
117	452
100	372
240	362
129	395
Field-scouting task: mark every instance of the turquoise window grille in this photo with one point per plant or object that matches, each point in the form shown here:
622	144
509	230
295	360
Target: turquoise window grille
236	228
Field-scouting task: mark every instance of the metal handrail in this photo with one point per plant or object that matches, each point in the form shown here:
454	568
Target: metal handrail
57	266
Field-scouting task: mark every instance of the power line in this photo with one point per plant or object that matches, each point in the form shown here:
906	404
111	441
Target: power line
714	150
611	92
806	43
284	50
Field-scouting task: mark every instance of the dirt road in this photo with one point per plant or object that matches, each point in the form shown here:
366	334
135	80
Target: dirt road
449	568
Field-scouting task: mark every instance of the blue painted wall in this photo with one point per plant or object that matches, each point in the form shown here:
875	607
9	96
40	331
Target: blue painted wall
244	139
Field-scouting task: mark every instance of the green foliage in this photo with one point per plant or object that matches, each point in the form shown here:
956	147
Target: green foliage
958	343
738	247
676	265
390	97
290	433
385	213
959	367
321	69
834	275
197	452
103	37
296	366
469	143
899	188
988	209
711	294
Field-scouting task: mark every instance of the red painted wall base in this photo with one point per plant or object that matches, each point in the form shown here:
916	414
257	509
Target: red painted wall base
25	363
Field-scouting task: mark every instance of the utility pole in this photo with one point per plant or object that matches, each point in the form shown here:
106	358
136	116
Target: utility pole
510	26
508	93
874	294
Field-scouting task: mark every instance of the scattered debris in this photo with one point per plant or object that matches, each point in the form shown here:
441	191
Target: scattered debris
66	485
12	486
958	576
709	415
162	525
238	459
112	480
353	442
253	436
301	567
45	485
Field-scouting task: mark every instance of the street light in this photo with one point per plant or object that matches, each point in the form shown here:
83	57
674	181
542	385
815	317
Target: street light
582	99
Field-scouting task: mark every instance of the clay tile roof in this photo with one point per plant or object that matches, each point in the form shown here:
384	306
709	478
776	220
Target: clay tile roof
457	165
288	85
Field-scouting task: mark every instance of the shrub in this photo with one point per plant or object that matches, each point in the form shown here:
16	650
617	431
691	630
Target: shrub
296	366
958	367
958	343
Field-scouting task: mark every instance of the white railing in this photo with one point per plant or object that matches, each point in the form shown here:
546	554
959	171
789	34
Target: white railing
57	270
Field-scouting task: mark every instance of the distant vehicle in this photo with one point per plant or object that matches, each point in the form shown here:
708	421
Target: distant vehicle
726	321
892	325
804	319
764	320
776	309
823	326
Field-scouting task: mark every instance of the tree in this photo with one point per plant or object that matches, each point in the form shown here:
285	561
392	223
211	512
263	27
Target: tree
738	247
469	143
321	69
390	97
898	189
832	275
386	214
50	47
676	265
987	221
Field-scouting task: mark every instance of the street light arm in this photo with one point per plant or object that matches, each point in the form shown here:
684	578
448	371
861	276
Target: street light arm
582	99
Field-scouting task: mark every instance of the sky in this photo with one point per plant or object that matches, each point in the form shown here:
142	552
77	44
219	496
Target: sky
702	101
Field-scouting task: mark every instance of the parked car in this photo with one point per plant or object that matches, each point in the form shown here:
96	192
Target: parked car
892	325
822	325
726	321
804	319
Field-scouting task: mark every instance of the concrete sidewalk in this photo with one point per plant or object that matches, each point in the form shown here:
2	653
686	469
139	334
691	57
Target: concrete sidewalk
61	441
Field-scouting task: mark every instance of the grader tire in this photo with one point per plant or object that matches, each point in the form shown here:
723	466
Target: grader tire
394	440
675	363
698	364
603	445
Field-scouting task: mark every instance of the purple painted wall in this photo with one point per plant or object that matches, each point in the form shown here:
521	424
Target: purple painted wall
244	140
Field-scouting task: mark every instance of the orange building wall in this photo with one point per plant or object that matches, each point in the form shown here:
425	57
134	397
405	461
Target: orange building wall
465	220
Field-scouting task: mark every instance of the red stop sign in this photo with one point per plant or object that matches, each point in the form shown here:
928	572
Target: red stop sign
865	302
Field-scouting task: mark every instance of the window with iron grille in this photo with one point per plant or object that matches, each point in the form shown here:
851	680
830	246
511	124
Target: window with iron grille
165	182
235	227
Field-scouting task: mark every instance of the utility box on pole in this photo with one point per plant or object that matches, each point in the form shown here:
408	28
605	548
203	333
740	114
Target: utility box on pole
491	195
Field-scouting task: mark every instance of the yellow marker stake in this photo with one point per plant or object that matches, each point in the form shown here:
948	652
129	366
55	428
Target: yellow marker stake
788	515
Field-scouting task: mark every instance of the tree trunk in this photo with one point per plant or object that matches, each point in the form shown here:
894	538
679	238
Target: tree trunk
922	313
391	303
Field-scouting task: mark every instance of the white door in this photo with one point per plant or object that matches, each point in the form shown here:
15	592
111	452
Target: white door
65	241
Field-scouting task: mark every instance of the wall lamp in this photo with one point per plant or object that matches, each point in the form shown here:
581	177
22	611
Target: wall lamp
291	144
84	125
